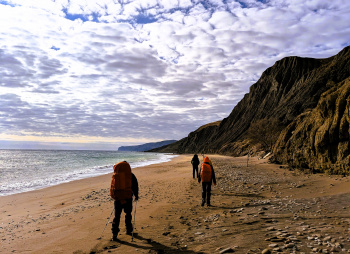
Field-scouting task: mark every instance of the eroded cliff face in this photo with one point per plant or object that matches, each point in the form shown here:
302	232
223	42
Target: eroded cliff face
277	94
319	138
288	91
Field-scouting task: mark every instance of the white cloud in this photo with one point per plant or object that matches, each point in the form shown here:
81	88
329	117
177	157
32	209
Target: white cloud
148	69
222	20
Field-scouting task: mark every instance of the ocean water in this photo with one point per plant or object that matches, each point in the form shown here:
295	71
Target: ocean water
26	170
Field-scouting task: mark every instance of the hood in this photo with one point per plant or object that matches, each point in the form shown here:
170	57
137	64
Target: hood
121	165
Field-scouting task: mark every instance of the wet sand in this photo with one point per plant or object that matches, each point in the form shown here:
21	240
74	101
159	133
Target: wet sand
255	208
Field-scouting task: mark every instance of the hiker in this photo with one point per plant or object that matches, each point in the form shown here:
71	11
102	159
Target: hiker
195	163
207	176
124	186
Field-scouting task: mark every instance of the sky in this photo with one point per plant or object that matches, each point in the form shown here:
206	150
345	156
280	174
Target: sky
86	74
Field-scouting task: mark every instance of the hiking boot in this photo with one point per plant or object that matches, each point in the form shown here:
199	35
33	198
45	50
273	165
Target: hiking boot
202	203
129	231
208	205
115	238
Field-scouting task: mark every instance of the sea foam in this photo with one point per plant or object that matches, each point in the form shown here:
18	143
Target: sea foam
27	170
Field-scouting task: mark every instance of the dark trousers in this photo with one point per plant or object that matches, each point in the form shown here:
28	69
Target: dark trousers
127	207
206	192
195	171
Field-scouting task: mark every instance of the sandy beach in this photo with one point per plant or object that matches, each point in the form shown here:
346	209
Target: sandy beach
255	208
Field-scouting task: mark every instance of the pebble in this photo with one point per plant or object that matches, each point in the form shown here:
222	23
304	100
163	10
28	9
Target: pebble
338	245
227	250
289	245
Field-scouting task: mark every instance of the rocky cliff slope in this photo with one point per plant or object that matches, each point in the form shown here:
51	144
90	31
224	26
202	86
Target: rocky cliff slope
285	91
319	139
145	147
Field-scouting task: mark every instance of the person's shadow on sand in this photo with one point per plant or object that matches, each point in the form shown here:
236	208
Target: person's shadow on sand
152	246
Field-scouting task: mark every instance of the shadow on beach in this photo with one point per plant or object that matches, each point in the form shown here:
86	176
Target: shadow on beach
147	244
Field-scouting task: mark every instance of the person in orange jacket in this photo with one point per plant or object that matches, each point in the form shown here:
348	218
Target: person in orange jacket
207	177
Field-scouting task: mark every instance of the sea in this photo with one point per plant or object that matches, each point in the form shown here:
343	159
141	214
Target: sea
27	170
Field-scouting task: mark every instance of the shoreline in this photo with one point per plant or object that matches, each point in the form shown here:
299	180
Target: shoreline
30	209
71	178
251	207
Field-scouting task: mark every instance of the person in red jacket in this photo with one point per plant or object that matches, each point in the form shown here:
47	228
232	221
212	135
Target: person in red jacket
207	177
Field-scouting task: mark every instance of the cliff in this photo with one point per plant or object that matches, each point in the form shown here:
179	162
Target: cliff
286	91
190	144
319	139
145	147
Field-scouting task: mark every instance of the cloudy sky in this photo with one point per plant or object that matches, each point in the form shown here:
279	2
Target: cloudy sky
98	74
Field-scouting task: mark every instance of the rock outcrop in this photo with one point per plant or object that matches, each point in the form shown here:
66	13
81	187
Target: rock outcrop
288	91
319	139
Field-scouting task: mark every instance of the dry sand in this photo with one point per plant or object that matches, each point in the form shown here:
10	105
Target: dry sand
256	207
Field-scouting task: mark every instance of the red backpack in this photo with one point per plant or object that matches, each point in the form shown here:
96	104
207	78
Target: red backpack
121	181
206	173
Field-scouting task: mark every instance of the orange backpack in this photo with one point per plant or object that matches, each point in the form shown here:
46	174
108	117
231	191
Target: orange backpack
121	181
206	171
